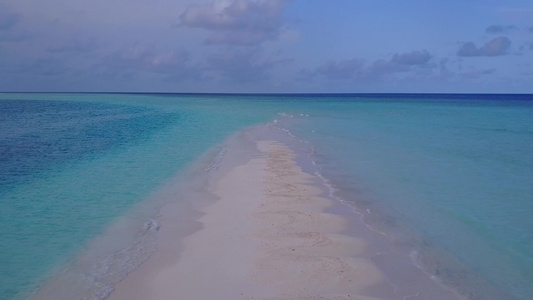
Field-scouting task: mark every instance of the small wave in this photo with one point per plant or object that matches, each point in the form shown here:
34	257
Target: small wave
218	158
282	114
113	268
327	183
95	272
151	225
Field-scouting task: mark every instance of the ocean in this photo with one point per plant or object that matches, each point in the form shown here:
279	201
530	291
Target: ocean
447	179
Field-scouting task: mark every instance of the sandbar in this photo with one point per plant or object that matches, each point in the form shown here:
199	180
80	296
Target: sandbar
268	236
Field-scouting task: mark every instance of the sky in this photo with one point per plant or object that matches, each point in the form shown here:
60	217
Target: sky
266	46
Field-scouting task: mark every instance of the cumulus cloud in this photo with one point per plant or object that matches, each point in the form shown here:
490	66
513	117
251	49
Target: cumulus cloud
237	22
245	65
495	47
412	58
356	69
499	29
469	49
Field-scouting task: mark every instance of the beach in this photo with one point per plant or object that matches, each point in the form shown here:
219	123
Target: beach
267	236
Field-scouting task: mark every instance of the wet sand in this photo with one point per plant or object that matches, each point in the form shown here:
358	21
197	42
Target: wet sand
266	237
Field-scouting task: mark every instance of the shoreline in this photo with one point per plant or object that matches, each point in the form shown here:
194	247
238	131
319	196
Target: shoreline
272	233
278	243
289	205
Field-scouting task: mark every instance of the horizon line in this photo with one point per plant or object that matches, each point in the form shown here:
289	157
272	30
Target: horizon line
274	94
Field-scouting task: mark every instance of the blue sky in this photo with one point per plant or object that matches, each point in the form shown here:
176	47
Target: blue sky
266	46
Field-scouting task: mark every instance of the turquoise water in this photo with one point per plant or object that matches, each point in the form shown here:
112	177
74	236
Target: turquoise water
71	166
458	173
454	175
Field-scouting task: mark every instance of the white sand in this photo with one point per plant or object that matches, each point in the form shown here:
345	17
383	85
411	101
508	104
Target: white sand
267	237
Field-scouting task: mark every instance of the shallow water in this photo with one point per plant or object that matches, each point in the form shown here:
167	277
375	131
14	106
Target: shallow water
447	180
73	166
457	174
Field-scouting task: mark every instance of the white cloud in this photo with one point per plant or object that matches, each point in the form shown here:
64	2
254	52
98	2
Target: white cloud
495	47
237	22
412	58
356	69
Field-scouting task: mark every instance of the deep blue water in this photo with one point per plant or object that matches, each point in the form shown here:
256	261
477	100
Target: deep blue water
38	135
